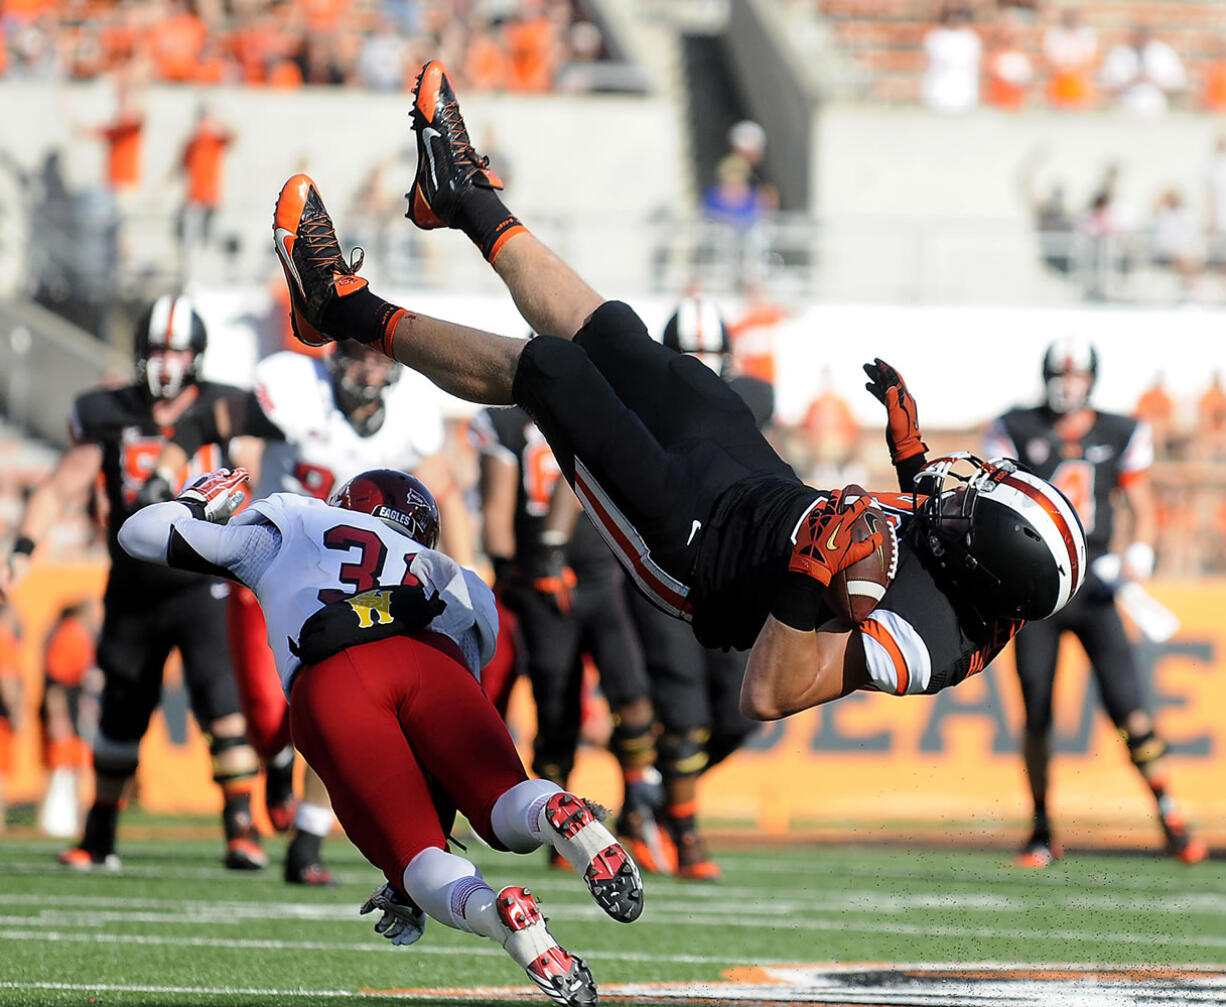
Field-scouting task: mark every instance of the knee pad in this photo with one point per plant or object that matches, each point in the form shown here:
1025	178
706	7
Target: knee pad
116	759
634	745
683	754
230	766
1144	748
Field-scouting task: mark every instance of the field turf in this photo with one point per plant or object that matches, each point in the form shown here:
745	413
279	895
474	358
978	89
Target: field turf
175	928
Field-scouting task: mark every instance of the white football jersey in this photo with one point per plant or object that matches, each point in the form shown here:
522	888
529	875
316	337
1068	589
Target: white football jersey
322	450
327	553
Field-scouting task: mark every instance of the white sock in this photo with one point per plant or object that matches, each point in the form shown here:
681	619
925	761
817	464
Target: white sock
451	890
313	819
515	817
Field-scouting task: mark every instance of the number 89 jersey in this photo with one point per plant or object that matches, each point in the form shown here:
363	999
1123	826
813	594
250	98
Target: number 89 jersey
327	553
1112	452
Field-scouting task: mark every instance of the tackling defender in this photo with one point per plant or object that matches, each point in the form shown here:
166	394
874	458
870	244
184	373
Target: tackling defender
705	517
379	641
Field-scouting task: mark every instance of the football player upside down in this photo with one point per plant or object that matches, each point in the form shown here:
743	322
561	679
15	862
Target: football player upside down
710	523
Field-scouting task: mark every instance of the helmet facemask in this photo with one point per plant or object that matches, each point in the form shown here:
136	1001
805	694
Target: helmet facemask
361	378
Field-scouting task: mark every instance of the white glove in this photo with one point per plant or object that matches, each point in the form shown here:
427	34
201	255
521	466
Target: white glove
402	922
217	495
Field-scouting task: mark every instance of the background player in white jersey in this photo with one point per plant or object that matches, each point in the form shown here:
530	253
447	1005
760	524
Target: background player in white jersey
1101	462
379	641
310	425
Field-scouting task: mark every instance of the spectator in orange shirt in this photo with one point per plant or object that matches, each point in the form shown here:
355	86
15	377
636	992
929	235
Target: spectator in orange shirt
531	44
1157	408
1215	80
123	138
68	714
1009	70
486	64
201	162
753	345
1211	420
10	694
1071	52
176	41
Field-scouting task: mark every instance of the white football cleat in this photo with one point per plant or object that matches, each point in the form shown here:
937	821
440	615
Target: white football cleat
562	977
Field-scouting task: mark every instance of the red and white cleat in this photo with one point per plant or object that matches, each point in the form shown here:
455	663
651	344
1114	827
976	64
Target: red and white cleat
561	976
574	829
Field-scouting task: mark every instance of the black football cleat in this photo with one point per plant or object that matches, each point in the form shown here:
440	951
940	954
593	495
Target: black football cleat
315	268
447	165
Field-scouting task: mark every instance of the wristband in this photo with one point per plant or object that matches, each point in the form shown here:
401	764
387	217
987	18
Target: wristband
1139	557
797	602
23	546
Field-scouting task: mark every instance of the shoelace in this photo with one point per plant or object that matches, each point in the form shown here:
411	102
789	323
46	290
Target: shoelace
322	250
462	152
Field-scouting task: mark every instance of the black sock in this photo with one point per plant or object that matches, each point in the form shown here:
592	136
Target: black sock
236	815
100	826
305	847
364	317
486	221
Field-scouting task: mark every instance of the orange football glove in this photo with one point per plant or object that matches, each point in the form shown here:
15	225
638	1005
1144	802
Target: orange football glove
551	578
824	545
902	424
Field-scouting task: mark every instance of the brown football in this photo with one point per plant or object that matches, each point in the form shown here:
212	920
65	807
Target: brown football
854	592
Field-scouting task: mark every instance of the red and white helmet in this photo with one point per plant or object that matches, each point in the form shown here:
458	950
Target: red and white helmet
1011	540
395	498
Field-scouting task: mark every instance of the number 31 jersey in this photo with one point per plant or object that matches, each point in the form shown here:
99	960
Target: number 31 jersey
1115	450
327	553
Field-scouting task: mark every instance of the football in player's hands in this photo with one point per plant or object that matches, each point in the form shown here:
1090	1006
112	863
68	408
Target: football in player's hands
855	591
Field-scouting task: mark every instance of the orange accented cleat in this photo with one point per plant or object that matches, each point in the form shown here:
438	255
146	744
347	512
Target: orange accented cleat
1181	844
1039	852
315	269
81	859
694	863
245	854
447	165
561	976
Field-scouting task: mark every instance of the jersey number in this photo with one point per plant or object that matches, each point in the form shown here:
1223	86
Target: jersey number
1074	477
362	574
541	474
140	454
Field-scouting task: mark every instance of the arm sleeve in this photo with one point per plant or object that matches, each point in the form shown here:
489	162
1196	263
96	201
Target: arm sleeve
167	534
908	469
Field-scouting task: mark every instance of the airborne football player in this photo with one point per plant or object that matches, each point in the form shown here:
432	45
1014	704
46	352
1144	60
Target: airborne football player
704	516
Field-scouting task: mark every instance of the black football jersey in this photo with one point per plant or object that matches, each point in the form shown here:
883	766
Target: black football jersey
120	421
510	432
744	555
1086	470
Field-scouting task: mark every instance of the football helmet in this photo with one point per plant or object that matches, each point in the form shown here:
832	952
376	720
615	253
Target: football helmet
395	498
361	377
697	329
168	345
1070	368
1011	541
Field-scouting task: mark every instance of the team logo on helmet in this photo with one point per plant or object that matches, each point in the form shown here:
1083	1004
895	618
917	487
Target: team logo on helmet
398	499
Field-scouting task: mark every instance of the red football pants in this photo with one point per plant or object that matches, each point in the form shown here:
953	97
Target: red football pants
380	721
255	673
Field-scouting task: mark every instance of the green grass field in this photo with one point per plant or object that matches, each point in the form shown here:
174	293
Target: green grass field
175	928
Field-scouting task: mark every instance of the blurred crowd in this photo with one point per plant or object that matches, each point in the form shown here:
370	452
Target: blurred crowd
1012	54
488	45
